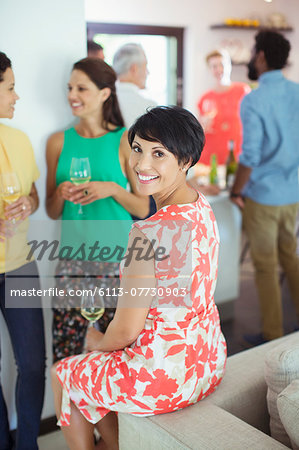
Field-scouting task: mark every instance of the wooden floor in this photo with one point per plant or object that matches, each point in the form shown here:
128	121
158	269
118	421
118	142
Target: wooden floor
52	441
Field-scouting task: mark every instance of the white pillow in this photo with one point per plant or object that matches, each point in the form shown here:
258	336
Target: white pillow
288	408
281	368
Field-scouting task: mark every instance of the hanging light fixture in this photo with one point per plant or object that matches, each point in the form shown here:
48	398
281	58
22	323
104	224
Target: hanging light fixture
268	1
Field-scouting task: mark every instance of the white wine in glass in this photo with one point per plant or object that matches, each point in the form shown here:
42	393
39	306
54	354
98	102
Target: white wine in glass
209	108
209	112
92	314
78	181
92	307
80	173
10	188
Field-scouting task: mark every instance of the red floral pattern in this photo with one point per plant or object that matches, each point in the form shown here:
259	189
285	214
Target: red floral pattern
180	355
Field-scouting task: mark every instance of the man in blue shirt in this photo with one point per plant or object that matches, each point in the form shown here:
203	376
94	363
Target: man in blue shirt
267	181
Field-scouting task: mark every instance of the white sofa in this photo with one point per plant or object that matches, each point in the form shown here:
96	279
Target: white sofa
234	417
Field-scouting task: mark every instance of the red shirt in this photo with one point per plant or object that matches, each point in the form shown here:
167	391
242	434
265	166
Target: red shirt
224	107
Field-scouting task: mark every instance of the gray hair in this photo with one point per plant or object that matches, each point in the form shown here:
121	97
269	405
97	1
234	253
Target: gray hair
127	55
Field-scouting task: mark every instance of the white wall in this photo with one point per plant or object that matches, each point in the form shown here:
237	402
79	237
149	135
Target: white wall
196	16
43	40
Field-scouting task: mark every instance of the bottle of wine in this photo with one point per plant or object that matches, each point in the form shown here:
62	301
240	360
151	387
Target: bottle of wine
231	165
213	171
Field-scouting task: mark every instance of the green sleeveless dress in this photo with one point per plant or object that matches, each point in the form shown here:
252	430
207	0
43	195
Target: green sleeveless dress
105	222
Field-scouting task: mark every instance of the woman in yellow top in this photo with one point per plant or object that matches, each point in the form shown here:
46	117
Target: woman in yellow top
24	322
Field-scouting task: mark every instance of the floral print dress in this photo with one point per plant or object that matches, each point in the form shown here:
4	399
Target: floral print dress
180	355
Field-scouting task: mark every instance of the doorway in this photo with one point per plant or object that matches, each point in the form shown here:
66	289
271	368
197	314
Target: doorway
163	47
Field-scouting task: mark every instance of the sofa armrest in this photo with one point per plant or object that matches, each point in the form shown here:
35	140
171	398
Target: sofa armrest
201	426
243	390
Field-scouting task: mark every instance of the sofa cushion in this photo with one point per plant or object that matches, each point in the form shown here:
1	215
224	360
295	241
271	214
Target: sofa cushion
288	408
281	368
204	427
243	390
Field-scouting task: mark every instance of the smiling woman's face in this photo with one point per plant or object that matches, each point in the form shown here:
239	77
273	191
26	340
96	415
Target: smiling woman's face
8	96
220	68
84	97
157	170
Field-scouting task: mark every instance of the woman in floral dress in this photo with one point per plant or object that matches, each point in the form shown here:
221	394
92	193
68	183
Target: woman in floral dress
164	349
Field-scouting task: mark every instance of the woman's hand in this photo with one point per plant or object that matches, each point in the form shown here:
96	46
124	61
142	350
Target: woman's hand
205	189
239	201
207	122
64	190
92	191
93	338
23	207
20	209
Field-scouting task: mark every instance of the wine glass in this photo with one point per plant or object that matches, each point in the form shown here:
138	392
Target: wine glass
92	307
80	173
209	112
10	188
209	108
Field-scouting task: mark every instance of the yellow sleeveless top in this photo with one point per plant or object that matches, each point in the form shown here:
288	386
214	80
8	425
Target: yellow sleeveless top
16	155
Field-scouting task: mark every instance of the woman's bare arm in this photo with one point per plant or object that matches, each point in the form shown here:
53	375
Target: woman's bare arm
132	310
55	195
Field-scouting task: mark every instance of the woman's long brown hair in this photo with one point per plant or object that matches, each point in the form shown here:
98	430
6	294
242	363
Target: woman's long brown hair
102	75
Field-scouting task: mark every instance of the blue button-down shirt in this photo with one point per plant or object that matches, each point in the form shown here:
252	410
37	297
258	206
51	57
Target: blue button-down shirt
270	118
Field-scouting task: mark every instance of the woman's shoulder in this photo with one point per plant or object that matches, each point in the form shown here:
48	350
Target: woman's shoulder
120	129
175	212
123	133
170	228
56	138
182	209
173	225
117	135
114	130
55	144
6	131
124	143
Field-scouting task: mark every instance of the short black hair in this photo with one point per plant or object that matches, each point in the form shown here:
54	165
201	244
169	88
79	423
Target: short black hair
175	128
275	47
93	46
5	63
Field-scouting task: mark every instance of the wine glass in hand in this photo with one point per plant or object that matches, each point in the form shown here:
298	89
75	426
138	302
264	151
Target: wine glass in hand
92	307
209	112
10	188
80	173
